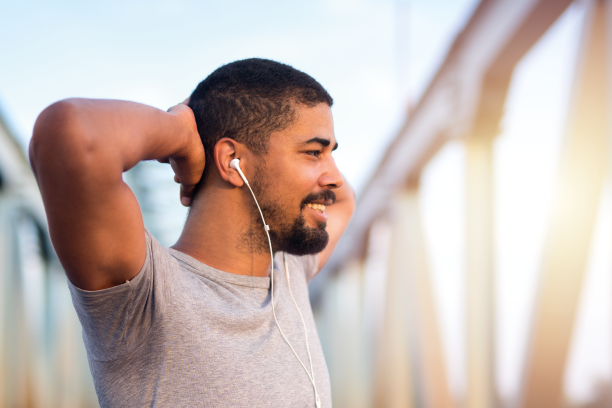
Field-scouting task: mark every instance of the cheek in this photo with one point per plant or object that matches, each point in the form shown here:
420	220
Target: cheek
295	179
290	174
302	184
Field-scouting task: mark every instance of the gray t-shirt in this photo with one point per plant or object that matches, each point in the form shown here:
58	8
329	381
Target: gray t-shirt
182	334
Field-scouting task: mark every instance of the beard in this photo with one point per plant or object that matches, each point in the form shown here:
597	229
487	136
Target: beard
290	235
297	238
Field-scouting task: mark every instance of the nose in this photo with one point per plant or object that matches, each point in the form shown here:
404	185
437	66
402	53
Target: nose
331	178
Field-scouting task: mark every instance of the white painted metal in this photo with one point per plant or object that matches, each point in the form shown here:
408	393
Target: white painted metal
347	365
582	171
394	382
42	363
479	273
430	369
469	87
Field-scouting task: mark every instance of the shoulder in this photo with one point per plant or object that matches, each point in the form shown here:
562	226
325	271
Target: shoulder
307	264
117	320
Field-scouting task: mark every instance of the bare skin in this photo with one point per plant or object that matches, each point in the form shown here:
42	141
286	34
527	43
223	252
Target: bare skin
81	147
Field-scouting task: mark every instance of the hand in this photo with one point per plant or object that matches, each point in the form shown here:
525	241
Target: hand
187	164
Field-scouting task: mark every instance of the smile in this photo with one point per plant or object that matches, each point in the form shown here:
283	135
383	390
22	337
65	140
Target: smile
317	207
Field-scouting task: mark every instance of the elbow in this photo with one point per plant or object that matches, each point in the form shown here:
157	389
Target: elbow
54	125
59	135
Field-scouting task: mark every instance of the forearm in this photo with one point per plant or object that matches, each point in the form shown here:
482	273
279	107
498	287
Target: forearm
108	135
345	199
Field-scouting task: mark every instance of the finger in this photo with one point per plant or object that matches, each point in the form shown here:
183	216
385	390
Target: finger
185	102
164	160
176	179
186	193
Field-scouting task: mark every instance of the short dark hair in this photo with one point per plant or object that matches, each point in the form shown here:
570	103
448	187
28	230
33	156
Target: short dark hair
249	99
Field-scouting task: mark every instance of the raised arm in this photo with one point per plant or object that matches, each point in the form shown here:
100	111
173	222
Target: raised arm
79	150
338	216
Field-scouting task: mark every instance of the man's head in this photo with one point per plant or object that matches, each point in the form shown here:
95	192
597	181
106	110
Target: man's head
281	119
249	99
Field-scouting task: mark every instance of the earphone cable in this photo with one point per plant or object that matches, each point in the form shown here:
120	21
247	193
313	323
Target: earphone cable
310	377
301	317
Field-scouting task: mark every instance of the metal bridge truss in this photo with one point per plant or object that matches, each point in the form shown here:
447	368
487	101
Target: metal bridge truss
399	362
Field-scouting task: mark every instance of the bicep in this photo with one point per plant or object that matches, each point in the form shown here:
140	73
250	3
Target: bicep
94	218
96	230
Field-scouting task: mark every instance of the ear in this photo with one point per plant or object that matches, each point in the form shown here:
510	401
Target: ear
225	151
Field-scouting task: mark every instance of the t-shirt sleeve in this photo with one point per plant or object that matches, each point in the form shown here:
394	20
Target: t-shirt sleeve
309	264
117	320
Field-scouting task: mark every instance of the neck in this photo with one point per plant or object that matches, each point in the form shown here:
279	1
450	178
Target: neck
223	232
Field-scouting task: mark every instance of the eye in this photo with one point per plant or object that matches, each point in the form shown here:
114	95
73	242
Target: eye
315	153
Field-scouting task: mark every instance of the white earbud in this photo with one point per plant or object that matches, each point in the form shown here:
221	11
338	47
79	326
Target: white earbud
235	164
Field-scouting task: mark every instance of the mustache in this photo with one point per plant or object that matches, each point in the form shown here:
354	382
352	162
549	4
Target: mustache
324	195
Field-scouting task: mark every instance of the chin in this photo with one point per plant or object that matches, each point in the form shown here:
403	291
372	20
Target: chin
308	247
303	239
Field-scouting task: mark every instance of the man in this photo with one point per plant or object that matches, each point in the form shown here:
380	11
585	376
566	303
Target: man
194	325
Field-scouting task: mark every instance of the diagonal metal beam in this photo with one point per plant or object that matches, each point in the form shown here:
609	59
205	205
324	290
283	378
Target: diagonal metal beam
470	87
397	351
582	170
479	273
430	370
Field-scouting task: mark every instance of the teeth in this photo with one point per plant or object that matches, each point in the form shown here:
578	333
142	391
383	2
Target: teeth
318	207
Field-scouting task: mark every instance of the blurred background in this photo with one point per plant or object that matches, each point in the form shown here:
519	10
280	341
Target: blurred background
477	270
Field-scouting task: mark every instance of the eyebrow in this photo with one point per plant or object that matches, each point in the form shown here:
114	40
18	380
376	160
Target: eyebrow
324	142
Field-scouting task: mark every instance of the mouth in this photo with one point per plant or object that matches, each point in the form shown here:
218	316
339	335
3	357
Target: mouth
317	207
317	212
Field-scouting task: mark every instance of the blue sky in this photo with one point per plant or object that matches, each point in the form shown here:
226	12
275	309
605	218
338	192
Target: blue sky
370	55
375	58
